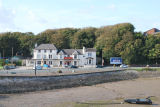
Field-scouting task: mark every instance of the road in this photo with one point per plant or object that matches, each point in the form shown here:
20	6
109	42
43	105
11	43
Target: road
30	71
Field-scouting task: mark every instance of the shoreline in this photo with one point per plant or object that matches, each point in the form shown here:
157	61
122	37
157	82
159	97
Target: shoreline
28	84
10	84
100	93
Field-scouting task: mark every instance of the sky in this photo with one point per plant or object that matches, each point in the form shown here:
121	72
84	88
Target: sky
38	15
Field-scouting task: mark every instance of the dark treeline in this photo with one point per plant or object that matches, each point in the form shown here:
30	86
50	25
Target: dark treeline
119	40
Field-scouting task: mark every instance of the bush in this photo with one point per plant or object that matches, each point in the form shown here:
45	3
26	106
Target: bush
59	71
18	63
147	69
2	62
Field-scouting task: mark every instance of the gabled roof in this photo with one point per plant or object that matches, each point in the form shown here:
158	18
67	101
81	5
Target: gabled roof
76	51
71	51
61	52
46	47
152	31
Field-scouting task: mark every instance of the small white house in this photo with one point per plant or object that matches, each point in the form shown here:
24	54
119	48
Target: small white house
49	54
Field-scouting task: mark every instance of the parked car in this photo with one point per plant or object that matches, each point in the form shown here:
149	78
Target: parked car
12	66
46	66
71	66
38	67
99	66
139	101
123	66
6	67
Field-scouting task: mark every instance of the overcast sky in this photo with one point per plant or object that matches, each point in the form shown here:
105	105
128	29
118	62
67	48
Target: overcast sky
38	15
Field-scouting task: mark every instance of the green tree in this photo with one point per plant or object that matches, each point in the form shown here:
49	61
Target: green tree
84	37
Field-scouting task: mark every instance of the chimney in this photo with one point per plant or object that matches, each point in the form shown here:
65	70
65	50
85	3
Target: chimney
35	45
84	50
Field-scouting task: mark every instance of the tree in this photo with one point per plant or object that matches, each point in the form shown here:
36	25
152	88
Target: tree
113	39
7	42
84	37
154	53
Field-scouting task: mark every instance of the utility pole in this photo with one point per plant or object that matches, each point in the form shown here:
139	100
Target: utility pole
3	53
35	68
102	57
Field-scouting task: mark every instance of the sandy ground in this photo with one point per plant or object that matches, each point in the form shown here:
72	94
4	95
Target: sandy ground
138	88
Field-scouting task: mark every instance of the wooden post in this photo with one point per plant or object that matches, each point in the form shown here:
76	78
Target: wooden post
12	55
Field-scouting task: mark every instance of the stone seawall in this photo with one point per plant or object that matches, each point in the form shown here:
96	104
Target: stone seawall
149	74
9	84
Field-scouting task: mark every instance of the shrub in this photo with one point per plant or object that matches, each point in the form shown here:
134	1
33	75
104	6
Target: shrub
2	62
147	69
59	71
18	63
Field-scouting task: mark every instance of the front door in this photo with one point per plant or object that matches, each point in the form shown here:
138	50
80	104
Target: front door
44	62
68	63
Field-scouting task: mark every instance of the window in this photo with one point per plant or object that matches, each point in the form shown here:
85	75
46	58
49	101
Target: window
60	62
89	54
75	63
50	51
38	56
50	56
45	51
39	51
90	61
50	62
44	62
38	62
60	56
75	56
44	56
68	56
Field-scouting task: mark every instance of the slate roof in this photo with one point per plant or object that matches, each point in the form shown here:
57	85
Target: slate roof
90	50
71	51
46	47
80	51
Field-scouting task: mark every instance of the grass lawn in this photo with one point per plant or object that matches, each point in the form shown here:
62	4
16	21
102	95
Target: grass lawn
147	69
90	104
110	103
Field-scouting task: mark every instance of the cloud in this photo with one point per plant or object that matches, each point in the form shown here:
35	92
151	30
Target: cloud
6	19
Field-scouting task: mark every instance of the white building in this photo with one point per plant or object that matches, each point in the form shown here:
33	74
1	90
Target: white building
49	54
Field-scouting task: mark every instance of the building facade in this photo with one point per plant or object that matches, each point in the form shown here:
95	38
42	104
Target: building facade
50	55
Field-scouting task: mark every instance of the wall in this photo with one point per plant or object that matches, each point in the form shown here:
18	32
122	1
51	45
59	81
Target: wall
25	84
